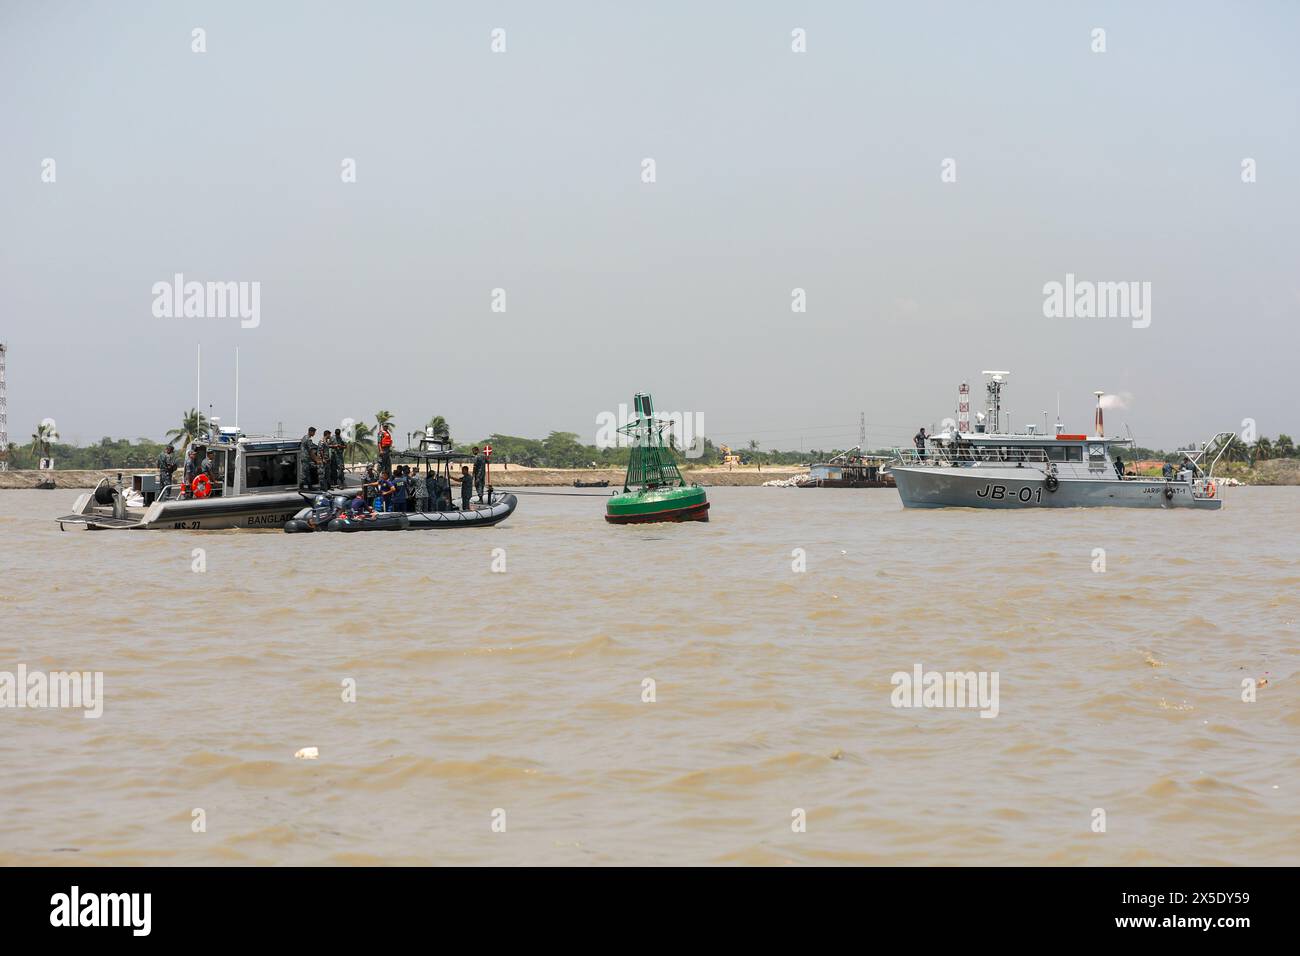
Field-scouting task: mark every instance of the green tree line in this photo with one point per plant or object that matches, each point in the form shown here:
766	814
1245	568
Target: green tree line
556	450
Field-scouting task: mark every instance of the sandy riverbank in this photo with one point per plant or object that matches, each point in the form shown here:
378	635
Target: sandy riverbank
517	476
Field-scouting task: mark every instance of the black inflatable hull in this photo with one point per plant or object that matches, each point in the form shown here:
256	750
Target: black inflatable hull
482	515
392	521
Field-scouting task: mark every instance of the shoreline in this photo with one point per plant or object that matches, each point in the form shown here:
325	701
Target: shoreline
1284	472
516	476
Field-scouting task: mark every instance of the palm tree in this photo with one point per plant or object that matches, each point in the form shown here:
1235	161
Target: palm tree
362	441
439	426
1263	449
41	438
193	424
383	417
1234	450
1284	447
753	444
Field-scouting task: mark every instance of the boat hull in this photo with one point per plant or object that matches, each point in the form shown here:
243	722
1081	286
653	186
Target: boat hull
1003	488
266	511
345	524
687	503
480	515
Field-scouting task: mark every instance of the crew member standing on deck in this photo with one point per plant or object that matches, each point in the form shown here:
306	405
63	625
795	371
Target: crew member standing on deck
400	489
336	457
166	467
191	470
480	471
385	449
919	441
466	487
420	489
323	460
306	449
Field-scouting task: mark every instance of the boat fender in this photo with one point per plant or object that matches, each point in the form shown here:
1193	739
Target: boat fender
1169	493
296	526
201	486
1053	482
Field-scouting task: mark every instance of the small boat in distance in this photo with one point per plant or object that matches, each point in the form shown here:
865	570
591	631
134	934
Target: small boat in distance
654	490
850	469
992	469
579	483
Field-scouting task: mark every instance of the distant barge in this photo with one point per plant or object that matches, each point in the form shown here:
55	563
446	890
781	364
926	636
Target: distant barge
849	470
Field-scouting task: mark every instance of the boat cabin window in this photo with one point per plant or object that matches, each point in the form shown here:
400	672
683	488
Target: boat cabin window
1065	452
271	470
1097	452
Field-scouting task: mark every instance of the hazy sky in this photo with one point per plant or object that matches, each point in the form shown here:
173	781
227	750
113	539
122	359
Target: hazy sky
775	170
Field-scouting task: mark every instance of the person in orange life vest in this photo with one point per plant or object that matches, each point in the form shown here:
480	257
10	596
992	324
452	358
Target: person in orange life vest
385	448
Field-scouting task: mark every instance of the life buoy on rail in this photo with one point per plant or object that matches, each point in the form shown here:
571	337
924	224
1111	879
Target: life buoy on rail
1209	489
201	486
1053	482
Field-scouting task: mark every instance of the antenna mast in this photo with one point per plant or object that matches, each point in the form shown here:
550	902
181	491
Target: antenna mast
994	388
4	413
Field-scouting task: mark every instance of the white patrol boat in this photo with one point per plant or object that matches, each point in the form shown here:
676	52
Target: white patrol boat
990	469
253	483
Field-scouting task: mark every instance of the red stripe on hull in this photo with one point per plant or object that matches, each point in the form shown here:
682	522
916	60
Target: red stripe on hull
693	513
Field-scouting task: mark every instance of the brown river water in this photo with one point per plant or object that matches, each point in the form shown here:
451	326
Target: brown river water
499	715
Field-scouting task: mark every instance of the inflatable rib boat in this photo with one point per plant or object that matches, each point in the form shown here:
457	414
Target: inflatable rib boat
393	521
480	515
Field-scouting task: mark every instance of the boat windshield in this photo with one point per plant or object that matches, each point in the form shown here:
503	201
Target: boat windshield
270	469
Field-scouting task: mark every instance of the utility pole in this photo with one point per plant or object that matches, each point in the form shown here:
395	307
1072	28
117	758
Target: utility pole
862	432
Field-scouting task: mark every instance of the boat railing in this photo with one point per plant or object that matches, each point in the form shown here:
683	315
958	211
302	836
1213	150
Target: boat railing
1223	447
961	455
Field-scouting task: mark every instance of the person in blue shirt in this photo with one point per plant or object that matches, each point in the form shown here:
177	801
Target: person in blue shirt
384	491
399	490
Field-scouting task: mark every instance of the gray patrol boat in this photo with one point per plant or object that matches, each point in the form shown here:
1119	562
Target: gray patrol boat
990	469
253	484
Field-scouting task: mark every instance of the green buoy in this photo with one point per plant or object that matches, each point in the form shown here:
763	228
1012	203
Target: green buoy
654	490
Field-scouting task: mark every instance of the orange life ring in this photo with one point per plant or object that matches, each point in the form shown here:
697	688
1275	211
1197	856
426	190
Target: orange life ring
1209	490
201	486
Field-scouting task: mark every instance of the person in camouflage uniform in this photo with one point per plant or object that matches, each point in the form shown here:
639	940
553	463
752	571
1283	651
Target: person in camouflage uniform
191	469
306	452
336	457
167	466
324	466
